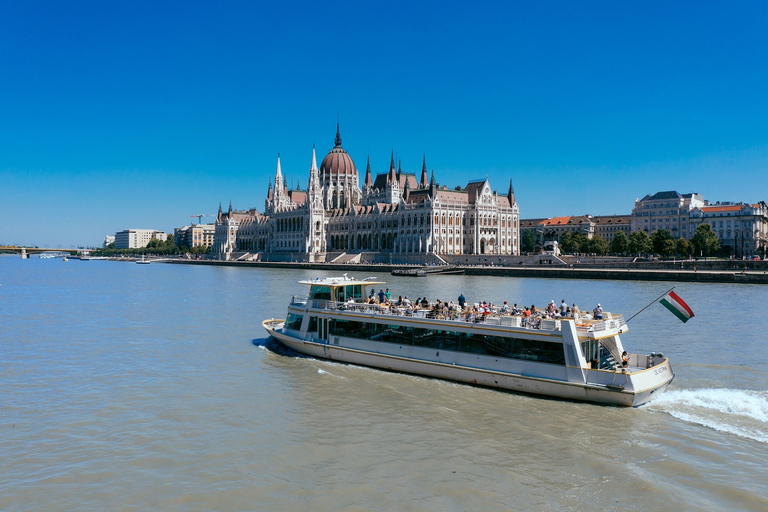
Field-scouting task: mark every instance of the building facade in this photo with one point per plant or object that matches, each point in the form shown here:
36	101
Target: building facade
395	215
666	210
740	226
137	238
196	235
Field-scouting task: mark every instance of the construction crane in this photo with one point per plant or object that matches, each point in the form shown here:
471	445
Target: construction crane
200	217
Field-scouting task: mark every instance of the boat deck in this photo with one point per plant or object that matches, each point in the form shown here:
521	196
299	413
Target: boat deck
585	325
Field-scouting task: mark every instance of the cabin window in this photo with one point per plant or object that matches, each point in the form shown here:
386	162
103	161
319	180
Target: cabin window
312	324
354	291
340	297
473	343
321	292
293	321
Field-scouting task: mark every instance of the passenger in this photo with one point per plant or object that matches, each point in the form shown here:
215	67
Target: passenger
526	312
551	308
563	308
462	300
598	312
505	308
400	301
575	310
624	359
424	302
382	296
406	301
534	311
387	294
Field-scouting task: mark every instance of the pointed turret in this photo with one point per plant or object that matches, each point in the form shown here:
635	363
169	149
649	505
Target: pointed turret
391	177
269	189
511	193
230	208
314	160
338	136
218	217
432	179
399	170
368	180
298	184
424	183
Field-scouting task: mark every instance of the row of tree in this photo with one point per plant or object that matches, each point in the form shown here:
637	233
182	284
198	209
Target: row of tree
155	246
704	242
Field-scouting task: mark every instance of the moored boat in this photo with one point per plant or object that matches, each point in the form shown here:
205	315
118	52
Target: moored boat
570	358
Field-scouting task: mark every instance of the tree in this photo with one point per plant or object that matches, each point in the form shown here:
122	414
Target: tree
682	247
704	241
566	243
619	243
580	242
528	241
597	245
660	239
639	243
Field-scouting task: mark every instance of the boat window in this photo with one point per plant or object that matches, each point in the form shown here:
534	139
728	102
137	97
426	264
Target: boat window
474	343
340	297
312	324
293	321
321	292
354	291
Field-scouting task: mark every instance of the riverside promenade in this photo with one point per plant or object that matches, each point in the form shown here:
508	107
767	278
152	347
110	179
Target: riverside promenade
747	274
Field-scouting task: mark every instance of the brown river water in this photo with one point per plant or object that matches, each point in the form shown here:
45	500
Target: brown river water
136	387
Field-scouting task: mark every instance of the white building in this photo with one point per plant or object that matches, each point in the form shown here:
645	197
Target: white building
394	218
666	210
137	238
109	239
740	226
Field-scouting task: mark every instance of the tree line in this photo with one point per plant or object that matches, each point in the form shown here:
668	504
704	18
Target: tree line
704	242
154	246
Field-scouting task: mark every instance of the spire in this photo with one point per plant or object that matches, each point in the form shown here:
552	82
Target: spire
399	170
218	217
269	191
298	184
230	206
424	183
338	135
314	160
511	193
432	179
368	179
391	177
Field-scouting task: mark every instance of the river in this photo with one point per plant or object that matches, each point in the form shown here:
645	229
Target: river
135	387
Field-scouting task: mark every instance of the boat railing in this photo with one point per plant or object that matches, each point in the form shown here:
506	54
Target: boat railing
586	324
533	323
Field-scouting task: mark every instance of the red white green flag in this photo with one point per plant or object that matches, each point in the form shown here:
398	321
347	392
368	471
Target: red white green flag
677	306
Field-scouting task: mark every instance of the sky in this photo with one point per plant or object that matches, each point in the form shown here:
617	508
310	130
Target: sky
118	115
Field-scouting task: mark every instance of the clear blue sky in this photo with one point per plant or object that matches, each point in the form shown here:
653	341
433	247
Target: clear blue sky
118	115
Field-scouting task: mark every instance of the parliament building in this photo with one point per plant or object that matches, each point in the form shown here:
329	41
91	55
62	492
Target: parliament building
394	218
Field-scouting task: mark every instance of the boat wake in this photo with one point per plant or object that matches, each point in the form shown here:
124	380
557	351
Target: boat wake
735	411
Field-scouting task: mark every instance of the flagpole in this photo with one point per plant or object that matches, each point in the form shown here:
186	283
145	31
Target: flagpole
649	305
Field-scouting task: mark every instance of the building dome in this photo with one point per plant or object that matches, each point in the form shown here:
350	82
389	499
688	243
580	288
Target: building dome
337	161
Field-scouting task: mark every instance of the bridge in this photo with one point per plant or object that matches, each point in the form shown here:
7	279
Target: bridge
13	249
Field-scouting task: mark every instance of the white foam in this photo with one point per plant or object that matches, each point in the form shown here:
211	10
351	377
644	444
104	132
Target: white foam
740	412
320	370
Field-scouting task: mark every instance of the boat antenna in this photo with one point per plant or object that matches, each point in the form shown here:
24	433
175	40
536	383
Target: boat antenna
649	305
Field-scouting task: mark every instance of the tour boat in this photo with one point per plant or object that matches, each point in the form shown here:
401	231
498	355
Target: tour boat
575	359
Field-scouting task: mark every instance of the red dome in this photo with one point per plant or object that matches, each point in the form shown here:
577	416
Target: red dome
337	161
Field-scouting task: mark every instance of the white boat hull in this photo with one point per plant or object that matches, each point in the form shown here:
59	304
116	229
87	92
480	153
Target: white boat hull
621	393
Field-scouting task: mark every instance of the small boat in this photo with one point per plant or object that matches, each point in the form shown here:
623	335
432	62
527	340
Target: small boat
142	261
66	259
575	359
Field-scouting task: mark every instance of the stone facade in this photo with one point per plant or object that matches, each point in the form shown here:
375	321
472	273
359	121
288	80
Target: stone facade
742	227
396	216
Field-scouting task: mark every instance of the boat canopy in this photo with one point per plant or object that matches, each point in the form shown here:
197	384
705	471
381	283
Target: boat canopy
340	281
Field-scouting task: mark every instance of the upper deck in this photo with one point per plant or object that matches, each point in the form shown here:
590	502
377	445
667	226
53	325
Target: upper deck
586	327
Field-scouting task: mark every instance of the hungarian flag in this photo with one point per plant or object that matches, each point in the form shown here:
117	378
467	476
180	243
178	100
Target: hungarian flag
677	306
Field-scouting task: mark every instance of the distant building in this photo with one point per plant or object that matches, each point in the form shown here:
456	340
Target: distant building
545	230
195	235
396	218
666	210
740	226
607	226
137	238
109	239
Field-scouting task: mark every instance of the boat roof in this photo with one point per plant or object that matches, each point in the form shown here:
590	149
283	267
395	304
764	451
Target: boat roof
340	281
